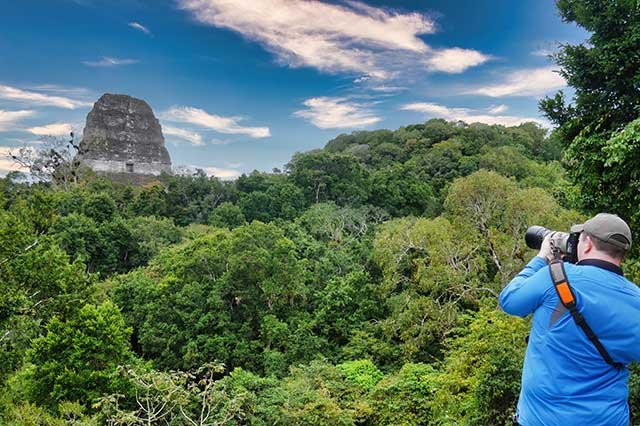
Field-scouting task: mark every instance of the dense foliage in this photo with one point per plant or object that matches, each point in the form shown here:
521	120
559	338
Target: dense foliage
358	286
352	288
597	127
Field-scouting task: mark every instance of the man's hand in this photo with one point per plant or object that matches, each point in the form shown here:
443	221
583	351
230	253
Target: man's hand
545	249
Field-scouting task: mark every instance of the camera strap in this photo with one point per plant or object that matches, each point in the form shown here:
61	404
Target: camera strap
568	300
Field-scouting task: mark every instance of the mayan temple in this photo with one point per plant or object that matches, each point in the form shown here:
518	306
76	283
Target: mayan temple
123	140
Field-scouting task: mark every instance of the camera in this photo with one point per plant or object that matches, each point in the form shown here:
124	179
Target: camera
565	242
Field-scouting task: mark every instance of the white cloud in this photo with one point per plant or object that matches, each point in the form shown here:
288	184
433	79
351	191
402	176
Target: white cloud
9	119
455	60
468	115
337	113
388	89
193	137
54	129
431	109
219	172
542	52
107	61
497	109
222	173
362	79
138	26
349	37
14	94
228	125
7	164
63	90
525	82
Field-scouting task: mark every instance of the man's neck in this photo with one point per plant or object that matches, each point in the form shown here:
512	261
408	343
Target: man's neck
600	262
603	257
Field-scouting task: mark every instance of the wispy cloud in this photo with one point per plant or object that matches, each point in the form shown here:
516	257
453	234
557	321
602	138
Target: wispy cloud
388	89
525	82
9	119
35	98
228	125
337	113
542	52
217	141
455	60
497	109
192	137
222	173
78	92
349	37
138	26
219	172
107	61
469	115
54	129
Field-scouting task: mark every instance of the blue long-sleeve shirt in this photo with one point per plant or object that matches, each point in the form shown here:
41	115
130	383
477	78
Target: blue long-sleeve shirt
565	381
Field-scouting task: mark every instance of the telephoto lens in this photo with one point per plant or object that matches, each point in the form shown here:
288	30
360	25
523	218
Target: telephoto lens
566	243
535	235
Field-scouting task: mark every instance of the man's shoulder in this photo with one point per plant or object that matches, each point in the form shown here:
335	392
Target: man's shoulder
589	273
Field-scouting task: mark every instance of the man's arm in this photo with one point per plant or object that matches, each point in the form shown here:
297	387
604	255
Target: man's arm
525	292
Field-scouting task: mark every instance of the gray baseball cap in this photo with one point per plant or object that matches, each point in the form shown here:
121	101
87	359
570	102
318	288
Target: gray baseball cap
607	227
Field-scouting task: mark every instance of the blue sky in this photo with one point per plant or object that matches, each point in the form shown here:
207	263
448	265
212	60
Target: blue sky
242	85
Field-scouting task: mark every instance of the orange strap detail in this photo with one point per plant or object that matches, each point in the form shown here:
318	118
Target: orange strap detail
565	293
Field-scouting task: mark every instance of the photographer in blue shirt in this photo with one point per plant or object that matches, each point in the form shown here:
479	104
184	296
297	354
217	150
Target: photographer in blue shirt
566	379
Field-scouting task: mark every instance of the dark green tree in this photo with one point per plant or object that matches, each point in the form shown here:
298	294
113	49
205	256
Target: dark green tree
149	236
227	215
324	176
281	200
399	190
77	359
99	207
208	299
605	74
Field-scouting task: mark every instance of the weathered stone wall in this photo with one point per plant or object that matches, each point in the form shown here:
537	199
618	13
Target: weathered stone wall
123	137
108	166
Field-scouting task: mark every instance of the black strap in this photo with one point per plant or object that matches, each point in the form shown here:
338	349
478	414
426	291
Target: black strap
568	300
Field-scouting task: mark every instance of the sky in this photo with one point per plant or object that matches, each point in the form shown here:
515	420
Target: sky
241	85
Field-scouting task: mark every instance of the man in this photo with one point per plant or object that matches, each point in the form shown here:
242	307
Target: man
565	380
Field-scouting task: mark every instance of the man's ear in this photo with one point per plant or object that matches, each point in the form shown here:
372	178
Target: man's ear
587	244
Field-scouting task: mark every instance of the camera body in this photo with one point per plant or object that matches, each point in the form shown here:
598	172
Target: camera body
565	242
